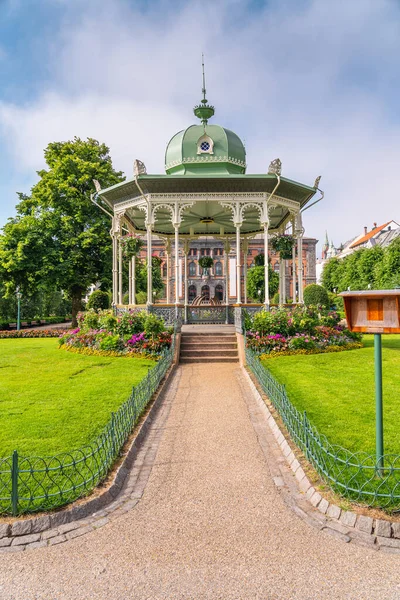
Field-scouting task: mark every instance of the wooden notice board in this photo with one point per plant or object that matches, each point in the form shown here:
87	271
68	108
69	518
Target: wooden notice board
373	311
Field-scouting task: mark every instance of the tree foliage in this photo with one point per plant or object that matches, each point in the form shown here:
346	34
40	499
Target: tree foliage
256	281
316	295
59	238
377	268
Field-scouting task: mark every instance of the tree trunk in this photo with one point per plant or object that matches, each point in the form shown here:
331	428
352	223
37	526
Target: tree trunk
76	295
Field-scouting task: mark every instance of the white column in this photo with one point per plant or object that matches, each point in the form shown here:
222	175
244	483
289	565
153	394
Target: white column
245	251
168	250
130	283
226	269
282	268
186	252
133	263
238	265
114	269
299	234
300	265
176	226
266	273
149	266
120	298
294	266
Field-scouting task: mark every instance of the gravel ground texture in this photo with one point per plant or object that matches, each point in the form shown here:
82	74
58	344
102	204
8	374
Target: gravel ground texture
210	525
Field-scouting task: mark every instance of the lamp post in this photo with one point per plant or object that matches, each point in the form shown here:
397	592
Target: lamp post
19	296
259	295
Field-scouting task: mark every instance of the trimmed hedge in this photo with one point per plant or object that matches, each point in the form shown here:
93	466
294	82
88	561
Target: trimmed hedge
316	295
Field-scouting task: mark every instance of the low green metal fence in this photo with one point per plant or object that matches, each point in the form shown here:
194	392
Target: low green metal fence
31	484
356	476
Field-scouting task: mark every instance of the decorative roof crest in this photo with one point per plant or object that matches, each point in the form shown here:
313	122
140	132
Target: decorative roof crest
275	167
139	168
204	111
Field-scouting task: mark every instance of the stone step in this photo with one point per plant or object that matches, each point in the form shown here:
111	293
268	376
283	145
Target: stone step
208	340
210	345
193	353
209	359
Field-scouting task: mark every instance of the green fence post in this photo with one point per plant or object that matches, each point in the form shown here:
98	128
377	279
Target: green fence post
134	405
113	433
378	401
305	427
14	484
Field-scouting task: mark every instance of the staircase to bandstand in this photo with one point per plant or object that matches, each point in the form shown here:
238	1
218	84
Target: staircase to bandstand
208	344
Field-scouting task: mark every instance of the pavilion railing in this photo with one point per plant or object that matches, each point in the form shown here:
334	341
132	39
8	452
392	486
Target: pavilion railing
356	475
32	484
219	313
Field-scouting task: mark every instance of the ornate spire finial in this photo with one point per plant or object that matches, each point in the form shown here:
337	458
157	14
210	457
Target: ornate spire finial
204	101
203	110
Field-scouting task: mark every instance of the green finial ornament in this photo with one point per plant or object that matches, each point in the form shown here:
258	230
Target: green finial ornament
204	111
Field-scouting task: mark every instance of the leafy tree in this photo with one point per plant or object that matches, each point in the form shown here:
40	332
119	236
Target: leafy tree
331	275
315	294
387	271
59	238
99	300
256	281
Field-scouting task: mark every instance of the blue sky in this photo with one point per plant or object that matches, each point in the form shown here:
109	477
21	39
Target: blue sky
314	83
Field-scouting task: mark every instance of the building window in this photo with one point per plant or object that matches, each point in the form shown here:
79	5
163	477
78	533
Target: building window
219	292
192	293
192	269
205	293
205	145
164	270
276	266
218	268
193	252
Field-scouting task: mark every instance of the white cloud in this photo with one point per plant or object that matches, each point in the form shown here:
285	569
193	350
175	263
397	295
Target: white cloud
305	81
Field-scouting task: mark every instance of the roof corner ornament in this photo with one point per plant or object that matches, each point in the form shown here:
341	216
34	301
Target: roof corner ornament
316	182
139	168
97	185
275	167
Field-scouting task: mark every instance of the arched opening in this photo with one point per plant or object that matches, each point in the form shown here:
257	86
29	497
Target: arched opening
205	293
219	292
192	292
218	268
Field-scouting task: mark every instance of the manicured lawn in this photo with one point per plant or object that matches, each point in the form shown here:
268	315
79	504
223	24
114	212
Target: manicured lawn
54	401
338	393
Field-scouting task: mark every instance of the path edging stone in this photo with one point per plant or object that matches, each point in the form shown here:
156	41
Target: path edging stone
54	528
348	526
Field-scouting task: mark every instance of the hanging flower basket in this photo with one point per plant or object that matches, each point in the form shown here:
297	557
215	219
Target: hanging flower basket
130	244
206	262
284	245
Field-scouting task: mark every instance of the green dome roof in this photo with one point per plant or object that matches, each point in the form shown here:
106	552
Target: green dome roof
205	149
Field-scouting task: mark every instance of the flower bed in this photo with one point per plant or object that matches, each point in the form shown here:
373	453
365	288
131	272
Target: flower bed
34	333
304	330
131	334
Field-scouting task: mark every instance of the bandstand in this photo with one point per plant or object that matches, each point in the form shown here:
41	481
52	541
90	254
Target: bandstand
205	192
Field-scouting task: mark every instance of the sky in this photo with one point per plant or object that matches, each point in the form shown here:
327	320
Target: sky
315	83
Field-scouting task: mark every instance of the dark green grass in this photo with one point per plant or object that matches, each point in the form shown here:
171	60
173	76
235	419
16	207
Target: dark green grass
338	392
55	401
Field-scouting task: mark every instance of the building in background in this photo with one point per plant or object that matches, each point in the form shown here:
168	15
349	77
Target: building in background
379	235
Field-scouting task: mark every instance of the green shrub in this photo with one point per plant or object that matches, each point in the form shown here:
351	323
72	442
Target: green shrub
141	298
90	320
259	260
99	300
316	295
131	322
275	298
153	325
107	321
111	342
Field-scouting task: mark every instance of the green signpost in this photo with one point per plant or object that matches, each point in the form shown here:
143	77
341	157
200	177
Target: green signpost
377	312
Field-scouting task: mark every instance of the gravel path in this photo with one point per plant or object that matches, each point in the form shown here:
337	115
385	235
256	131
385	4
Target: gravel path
211	523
